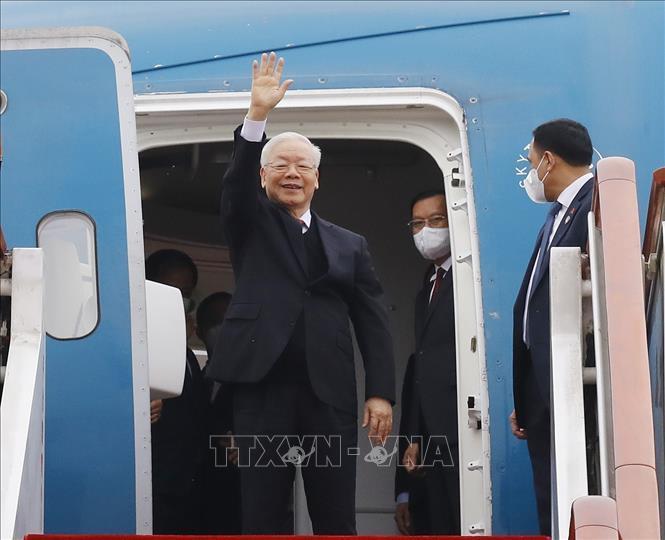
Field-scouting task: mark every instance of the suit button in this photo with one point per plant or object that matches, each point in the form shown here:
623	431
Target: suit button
292	323
420	353
253	340
308	292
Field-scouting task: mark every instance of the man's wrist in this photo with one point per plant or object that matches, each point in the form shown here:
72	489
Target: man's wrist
252	130
257	114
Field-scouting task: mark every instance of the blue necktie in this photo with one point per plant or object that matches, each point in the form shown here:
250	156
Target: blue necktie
543	257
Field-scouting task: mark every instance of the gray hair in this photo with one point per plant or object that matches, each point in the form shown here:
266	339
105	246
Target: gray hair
289	136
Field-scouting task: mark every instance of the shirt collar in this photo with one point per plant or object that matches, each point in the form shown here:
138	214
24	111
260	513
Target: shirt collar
307	218
567	196
445	265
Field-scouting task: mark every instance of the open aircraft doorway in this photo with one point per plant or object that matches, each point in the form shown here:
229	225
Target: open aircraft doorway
380	148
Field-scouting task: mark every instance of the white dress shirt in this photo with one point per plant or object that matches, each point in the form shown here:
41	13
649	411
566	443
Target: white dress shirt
446	264
252	131
566	197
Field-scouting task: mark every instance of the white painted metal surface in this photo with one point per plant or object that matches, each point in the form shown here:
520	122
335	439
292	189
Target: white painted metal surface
167	340
22	409
601	350
428	118
569	471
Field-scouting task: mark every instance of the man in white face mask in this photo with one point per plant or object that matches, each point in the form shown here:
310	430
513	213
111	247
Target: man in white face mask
560	156
427	483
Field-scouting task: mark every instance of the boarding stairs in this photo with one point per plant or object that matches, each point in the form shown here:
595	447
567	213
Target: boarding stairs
605	292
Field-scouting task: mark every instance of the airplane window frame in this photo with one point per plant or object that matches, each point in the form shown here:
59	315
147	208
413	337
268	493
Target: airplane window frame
91	231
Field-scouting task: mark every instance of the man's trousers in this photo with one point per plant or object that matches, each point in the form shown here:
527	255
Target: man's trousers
279	425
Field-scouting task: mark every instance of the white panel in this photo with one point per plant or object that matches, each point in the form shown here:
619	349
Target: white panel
167	340
569	471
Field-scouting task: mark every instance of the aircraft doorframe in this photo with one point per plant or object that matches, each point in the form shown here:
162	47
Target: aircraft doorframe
427	118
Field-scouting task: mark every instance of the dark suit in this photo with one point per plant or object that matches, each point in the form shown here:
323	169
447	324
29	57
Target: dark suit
429	408
286	344
179	445
531	366
221	484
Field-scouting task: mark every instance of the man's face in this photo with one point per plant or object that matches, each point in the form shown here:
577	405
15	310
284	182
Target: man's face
432	209
290	178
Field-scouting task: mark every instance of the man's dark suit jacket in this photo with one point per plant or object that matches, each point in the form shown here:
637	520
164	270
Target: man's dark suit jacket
429	391
531	367
179	437
273	290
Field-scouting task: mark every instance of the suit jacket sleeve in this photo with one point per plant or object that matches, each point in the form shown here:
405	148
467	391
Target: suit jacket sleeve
370	321
241	188
402	480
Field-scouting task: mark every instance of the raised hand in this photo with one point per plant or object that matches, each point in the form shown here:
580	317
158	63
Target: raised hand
267	91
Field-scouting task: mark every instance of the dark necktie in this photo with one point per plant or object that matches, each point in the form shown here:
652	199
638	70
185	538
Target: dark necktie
543	256
437	284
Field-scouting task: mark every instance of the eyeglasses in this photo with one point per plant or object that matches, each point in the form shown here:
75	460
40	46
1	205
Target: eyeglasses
436	222
282	167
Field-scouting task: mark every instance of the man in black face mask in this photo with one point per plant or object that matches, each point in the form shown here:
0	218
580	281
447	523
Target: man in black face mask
427	486
560	156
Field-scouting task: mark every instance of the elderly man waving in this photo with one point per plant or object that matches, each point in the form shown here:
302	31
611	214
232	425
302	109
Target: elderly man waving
285	344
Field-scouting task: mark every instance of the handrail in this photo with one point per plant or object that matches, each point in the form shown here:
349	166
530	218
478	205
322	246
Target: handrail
655	213
601	355
22	408
594	517
634	450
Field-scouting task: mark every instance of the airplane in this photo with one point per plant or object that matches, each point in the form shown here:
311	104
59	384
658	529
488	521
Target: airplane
115	142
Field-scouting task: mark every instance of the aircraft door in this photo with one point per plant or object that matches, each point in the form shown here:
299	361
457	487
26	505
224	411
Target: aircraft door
70	185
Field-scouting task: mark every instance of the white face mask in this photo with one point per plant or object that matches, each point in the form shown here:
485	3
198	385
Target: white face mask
534	186
433	243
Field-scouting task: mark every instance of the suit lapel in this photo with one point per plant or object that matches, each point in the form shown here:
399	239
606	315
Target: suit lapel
430	308
520	302
328	241
561	231
294	234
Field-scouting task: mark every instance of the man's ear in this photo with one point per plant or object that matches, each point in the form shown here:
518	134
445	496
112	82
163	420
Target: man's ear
316	183
550	157
262	172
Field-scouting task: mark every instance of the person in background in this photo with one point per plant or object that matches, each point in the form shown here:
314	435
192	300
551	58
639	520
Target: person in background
560	155
427	486
221	484
179	434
